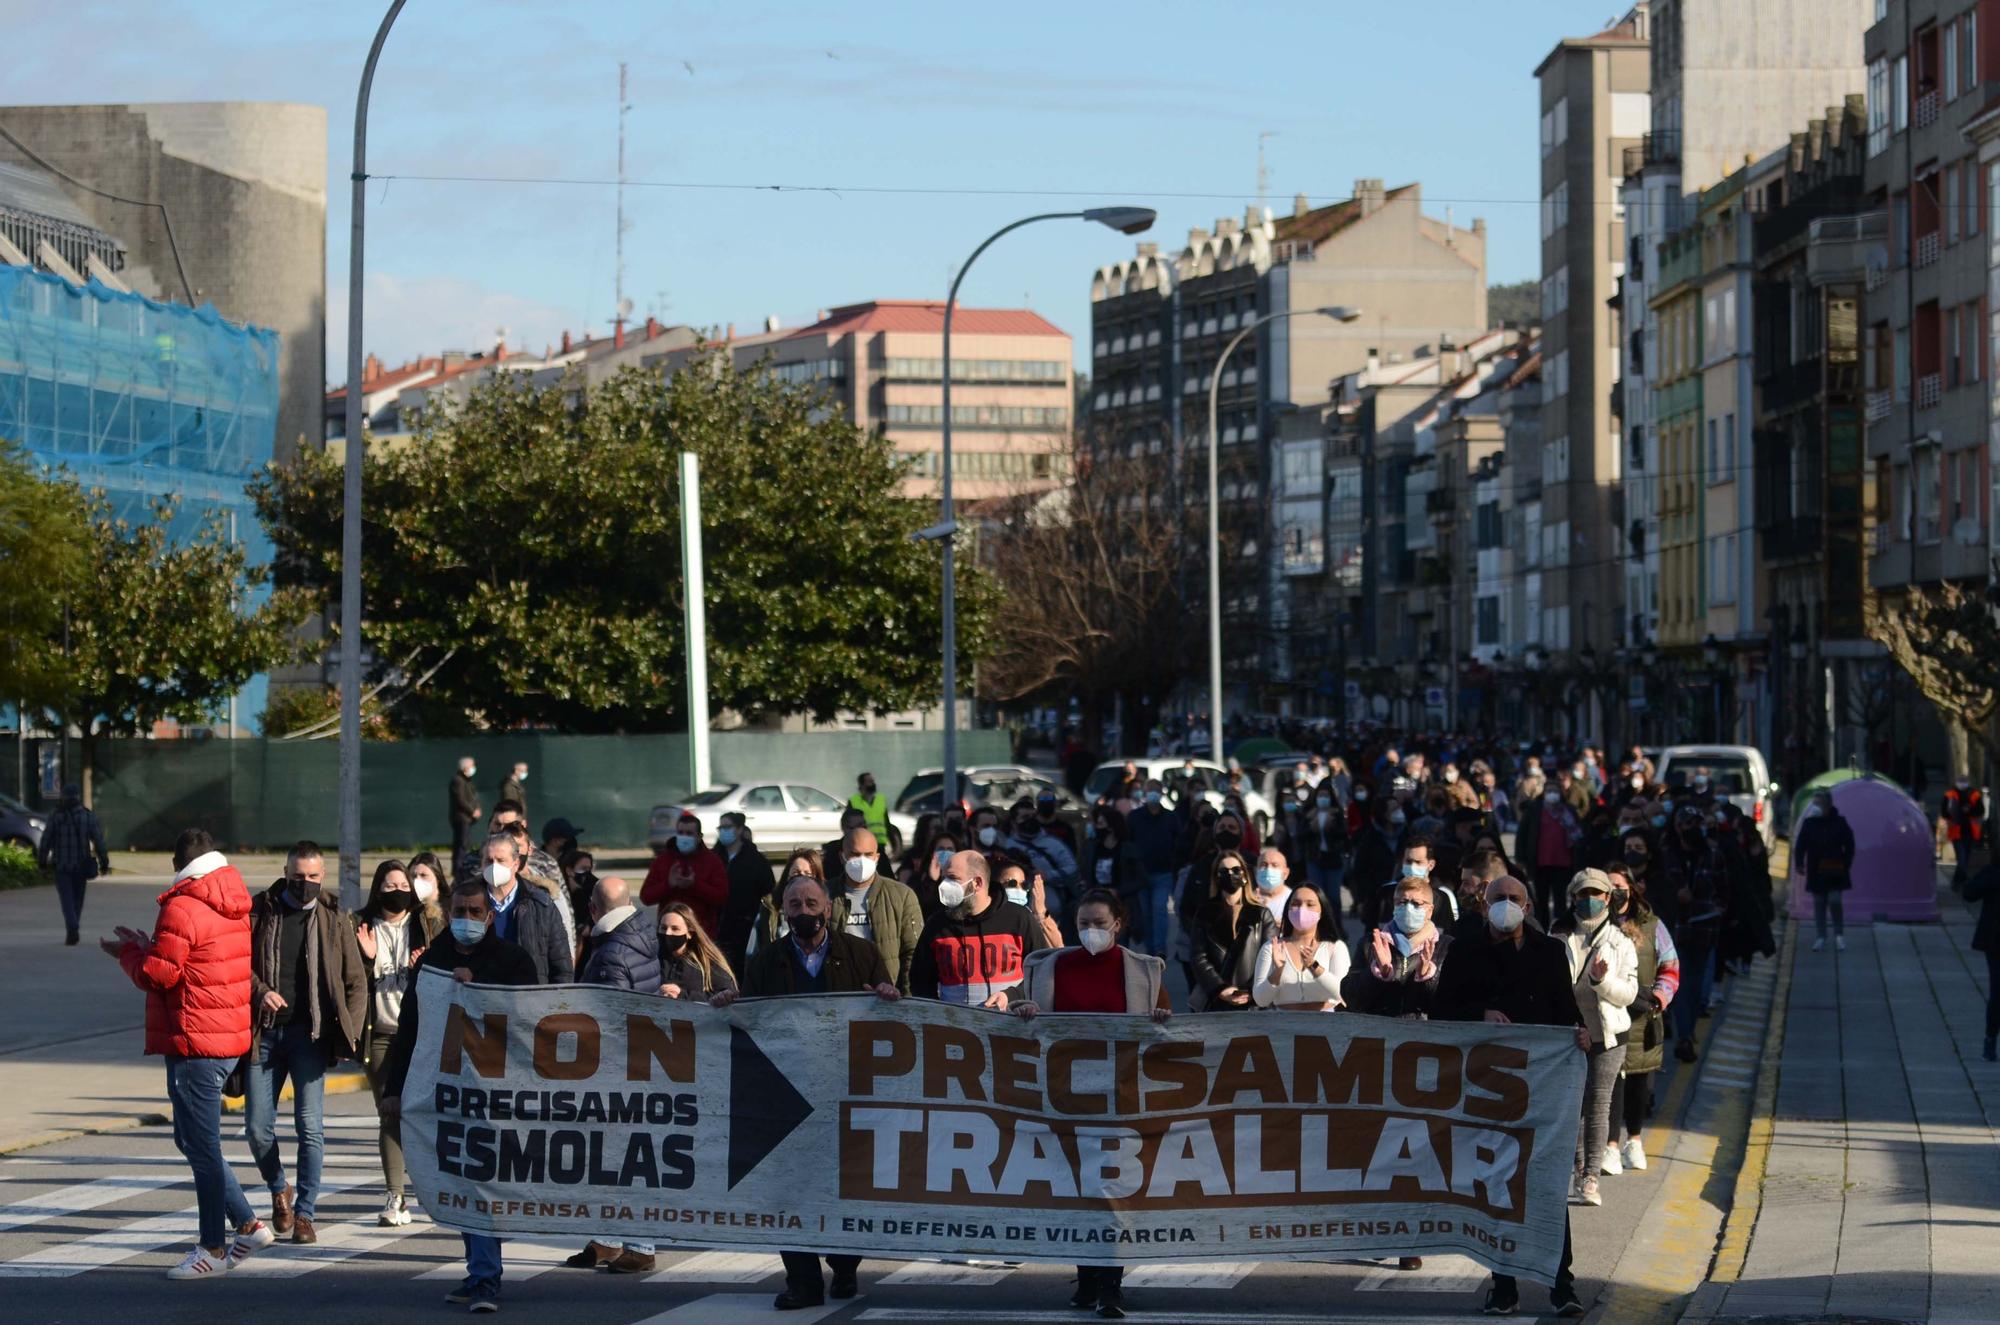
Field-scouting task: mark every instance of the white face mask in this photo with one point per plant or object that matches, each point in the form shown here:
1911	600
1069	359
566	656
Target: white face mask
1018	896
1410	917
1505	915
426	886
951	892
1451	775
860	869
521	776
988	835
496	874
1094	941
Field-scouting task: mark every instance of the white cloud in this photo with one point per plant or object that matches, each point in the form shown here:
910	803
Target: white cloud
408	317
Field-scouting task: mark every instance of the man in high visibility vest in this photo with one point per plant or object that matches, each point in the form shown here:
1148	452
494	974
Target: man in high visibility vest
874	806
1964	821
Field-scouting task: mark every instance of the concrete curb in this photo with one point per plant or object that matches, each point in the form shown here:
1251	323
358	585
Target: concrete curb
337	1083
1747	1201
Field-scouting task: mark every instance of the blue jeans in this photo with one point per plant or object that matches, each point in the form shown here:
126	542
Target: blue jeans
287	1051
482	1257
1159	892
69	892
1697	980
194	1085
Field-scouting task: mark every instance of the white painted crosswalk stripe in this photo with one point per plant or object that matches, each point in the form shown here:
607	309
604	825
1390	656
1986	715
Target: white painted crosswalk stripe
1189	1274
723	1267
942	1274
80	1197
524	1258
1441	1274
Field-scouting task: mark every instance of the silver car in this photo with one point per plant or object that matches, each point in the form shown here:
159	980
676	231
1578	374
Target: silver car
780	815
19	825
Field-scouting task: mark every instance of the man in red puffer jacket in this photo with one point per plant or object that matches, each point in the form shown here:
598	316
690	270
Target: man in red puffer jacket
195	969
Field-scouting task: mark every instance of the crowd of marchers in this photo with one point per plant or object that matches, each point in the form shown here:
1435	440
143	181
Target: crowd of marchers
1383	884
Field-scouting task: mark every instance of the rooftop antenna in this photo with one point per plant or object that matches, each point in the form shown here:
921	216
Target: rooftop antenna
624	304
1264	171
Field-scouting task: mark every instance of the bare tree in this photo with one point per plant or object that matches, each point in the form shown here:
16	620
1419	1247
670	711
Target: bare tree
1948	640
1092	574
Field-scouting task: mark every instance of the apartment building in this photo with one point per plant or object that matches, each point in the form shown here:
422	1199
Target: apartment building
1815	244
1929	63
1159	324
882	364
1594	105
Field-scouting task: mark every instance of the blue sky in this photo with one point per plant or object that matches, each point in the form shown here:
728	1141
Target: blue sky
1117	102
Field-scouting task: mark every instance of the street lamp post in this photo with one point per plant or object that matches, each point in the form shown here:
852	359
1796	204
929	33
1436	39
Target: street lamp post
350	514
1125	220
1341	313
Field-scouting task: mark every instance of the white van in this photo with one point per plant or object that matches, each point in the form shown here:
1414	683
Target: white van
1737	772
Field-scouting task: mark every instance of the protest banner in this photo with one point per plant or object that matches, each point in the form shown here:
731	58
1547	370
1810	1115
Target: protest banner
845	1123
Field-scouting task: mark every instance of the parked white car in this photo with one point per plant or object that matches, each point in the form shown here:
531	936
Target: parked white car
1737	772
781	815
1105	776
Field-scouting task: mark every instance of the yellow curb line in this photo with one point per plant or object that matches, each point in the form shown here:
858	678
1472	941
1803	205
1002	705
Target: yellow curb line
1747	1202
336	1083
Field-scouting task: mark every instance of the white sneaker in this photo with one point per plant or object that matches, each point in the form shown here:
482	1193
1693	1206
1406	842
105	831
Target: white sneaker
1635	1155
1840	942
394	1214
199	1264
253	1237
1613	1165
1576	1189
1819	945
1590	1195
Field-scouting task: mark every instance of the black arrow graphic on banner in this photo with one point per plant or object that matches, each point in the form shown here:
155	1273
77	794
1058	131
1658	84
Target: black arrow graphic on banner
764	1107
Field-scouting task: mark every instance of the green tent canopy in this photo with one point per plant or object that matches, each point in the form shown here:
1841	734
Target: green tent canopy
1833	777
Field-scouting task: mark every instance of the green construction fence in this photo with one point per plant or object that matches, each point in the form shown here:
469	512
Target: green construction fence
261	794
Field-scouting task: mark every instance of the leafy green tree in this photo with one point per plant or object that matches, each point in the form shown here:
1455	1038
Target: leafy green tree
162	632
523	550
44	546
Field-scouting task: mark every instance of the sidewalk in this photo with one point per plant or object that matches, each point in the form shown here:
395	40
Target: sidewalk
1878	1195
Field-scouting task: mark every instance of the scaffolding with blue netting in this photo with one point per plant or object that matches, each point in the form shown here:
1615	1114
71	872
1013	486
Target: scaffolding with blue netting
141	400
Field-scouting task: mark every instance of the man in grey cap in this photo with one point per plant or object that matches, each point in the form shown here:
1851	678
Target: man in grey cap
73	847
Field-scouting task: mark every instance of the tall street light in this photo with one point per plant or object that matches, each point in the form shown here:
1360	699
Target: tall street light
1125	220
350	514
1340	313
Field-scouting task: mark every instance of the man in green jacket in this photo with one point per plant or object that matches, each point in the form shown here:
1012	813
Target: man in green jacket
874	806
875	905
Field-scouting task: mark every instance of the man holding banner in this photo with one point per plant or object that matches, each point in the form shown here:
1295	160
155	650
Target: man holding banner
814	959
475	955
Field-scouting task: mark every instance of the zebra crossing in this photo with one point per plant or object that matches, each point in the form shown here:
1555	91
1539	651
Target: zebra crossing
1734	1048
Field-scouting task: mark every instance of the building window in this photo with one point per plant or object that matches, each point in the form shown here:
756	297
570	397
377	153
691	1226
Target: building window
1555	210
1878	106
1714	450
1926	495
1953	359
979	416
1951	62
1951	205
976	370
1968	32
1728	448
1899	95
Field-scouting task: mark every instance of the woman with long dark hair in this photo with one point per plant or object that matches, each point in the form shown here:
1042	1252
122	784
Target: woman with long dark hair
1299	969
392	929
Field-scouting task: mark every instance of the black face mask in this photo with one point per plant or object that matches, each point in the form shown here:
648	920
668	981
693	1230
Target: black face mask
1230	880
672	944
807	927
1227	837
1026	828
395	903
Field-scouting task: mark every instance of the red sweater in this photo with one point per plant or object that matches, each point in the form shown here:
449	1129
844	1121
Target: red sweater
700	879
1090	983
196	971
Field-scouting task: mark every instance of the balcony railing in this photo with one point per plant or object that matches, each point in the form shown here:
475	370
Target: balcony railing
1879	405
1926	112
1663	146
1846	248
1930	388
1930	248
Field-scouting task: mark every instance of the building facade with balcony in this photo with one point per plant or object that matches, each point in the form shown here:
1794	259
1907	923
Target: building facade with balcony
1159	325
1925	355
1594	105
1815	245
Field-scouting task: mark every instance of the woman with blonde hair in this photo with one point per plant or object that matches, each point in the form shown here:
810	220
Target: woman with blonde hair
691	966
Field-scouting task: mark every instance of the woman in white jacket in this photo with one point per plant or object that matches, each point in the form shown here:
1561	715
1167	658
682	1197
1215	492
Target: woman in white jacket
1301	967
1604	975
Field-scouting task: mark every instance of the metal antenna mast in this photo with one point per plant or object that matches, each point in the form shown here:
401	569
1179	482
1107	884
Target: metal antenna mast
624	105
1264	171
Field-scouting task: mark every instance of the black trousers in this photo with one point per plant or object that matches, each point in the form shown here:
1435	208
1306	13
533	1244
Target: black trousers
1564	1279
1093	1281
460	830
802	1273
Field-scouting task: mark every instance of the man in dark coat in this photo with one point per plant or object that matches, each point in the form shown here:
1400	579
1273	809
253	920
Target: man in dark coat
751	879
463	797
624	954
814	958
1824	846
524	914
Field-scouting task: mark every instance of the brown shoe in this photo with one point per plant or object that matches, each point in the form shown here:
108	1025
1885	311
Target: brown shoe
1410	1263
303	1231
594	1256
631	1262
281	1211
